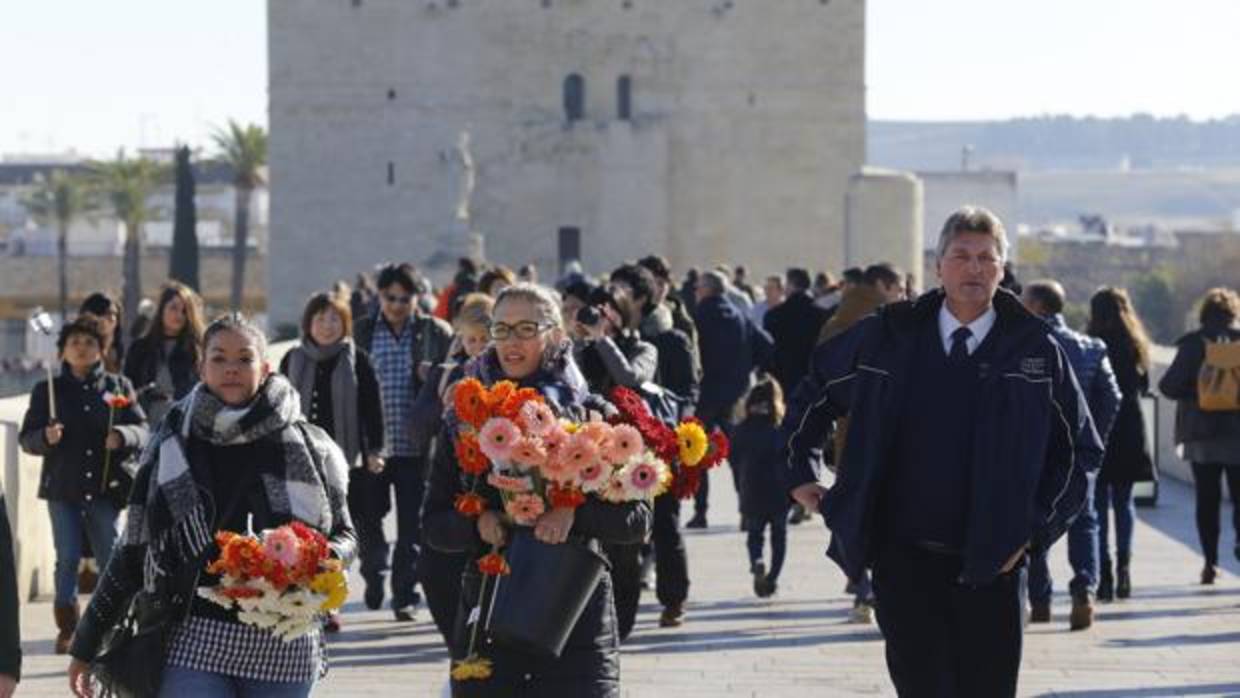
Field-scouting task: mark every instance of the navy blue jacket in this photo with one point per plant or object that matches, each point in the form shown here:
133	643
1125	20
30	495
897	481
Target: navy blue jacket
1088	357
1034	440
732	347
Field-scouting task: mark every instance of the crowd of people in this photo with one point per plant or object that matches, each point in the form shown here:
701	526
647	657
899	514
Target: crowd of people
947	439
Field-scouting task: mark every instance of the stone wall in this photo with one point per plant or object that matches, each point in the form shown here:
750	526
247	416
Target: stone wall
747	121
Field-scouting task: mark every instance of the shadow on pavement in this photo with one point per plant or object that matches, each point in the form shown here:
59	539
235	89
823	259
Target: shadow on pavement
1214	689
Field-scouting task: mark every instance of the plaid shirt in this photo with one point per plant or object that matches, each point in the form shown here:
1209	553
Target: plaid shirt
244	651
393	360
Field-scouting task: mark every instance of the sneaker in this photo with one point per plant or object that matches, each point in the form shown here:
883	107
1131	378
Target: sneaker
769	587
698	521
862	613
404	614
673	616
1208	574
1082	612
758	570
374	595
1040	612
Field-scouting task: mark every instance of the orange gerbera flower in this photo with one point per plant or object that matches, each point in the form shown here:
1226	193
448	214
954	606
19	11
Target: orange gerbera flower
500	392
119	402
469	455
512	404
493	564
470	504
471	403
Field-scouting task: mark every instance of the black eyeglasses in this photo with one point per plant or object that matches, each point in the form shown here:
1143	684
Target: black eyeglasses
526	329
398	300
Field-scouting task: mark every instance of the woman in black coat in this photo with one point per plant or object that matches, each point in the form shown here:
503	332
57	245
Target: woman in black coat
529	348
163	364
1211	440
83	448
1127	461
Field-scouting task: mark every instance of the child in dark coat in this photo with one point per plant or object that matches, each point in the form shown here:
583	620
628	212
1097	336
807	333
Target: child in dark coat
757	452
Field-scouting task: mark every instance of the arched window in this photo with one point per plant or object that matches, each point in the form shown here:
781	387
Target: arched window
624	97
574	97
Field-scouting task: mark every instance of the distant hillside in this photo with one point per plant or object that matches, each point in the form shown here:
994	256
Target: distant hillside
1056	143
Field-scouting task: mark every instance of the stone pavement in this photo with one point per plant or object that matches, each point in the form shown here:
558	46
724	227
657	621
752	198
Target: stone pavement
1173	638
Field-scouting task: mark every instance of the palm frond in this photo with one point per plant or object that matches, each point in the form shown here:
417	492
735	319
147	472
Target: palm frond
244	148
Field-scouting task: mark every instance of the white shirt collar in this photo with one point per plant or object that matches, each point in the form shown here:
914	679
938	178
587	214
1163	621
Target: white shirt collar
979	327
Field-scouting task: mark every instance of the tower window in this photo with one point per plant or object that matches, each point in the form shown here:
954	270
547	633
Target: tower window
570	246
574	97
391	173
624	97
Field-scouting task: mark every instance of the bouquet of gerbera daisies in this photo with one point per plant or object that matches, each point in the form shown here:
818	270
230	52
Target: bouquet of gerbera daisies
687	447
281	580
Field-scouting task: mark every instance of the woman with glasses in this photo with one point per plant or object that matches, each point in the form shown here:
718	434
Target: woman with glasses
529	348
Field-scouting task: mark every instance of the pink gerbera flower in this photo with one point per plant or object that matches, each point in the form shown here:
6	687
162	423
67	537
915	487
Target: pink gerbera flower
598	432
615	490
579	452
642	481
537	418
498	438
624	443
282	546
529	452
592	477
525	508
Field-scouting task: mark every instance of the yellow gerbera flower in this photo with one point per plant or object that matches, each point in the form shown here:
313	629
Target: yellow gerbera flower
693	443
471	668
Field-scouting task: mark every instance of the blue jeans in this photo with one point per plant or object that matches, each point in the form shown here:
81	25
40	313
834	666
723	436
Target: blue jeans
1118	497
70	521
1082	555
179	682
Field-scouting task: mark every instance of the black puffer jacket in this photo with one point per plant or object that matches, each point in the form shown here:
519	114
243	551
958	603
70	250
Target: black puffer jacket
73	470
142	368
590	664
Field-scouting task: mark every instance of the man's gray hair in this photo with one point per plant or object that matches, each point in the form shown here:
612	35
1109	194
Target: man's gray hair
714	282
973	219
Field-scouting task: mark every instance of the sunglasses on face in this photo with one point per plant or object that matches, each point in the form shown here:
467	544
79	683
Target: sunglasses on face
398	300
526	329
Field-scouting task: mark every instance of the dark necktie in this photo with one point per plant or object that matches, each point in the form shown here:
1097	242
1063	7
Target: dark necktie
960	344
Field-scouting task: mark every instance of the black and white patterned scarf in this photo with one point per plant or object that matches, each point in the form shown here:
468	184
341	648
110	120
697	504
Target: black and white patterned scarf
169	514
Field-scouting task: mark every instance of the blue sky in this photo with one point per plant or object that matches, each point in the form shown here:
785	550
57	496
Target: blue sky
95	75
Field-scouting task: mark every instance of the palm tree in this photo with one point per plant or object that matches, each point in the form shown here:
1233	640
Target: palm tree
128	183
244	148
61	197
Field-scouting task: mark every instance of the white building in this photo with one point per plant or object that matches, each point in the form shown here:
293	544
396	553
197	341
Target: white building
705	130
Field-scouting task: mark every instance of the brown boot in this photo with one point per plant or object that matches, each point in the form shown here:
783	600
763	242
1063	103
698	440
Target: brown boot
673	616
88	577
1082	611
66	622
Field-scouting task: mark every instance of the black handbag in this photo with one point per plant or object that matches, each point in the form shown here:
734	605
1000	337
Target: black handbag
537	605
131	661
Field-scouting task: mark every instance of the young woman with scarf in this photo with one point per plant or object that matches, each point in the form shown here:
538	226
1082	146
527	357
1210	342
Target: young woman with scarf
338	388
235	454
529	348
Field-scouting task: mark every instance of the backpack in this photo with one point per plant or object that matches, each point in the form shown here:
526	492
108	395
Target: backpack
1218	381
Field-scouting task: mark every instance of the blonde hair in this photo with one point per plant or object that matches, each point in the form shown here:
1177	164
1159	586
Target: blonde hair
475	311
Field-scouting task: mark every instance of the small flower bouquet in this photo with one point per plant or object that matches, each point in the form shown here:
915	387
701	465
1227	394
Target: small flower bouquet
281	580
687	446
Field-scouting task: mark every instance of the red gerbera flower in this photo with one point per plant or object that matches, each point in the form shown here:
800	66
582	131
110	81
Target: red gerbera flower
469	455
470	504
493	564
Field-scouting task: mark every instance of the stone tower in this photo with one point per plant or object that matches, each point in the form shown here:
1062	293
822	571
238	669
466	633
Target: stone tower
704	130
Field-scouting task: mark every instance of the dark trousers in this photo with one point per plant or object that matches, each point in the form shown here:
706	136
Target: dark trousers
370	500
1082	555
718	418
440	575
626	581
945	639
671	563
756	526
1209	480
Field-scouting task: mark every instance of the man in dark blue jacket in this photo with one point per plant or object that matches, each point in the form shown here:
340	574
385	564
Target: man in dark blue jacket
1088	358
732	346
968	443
